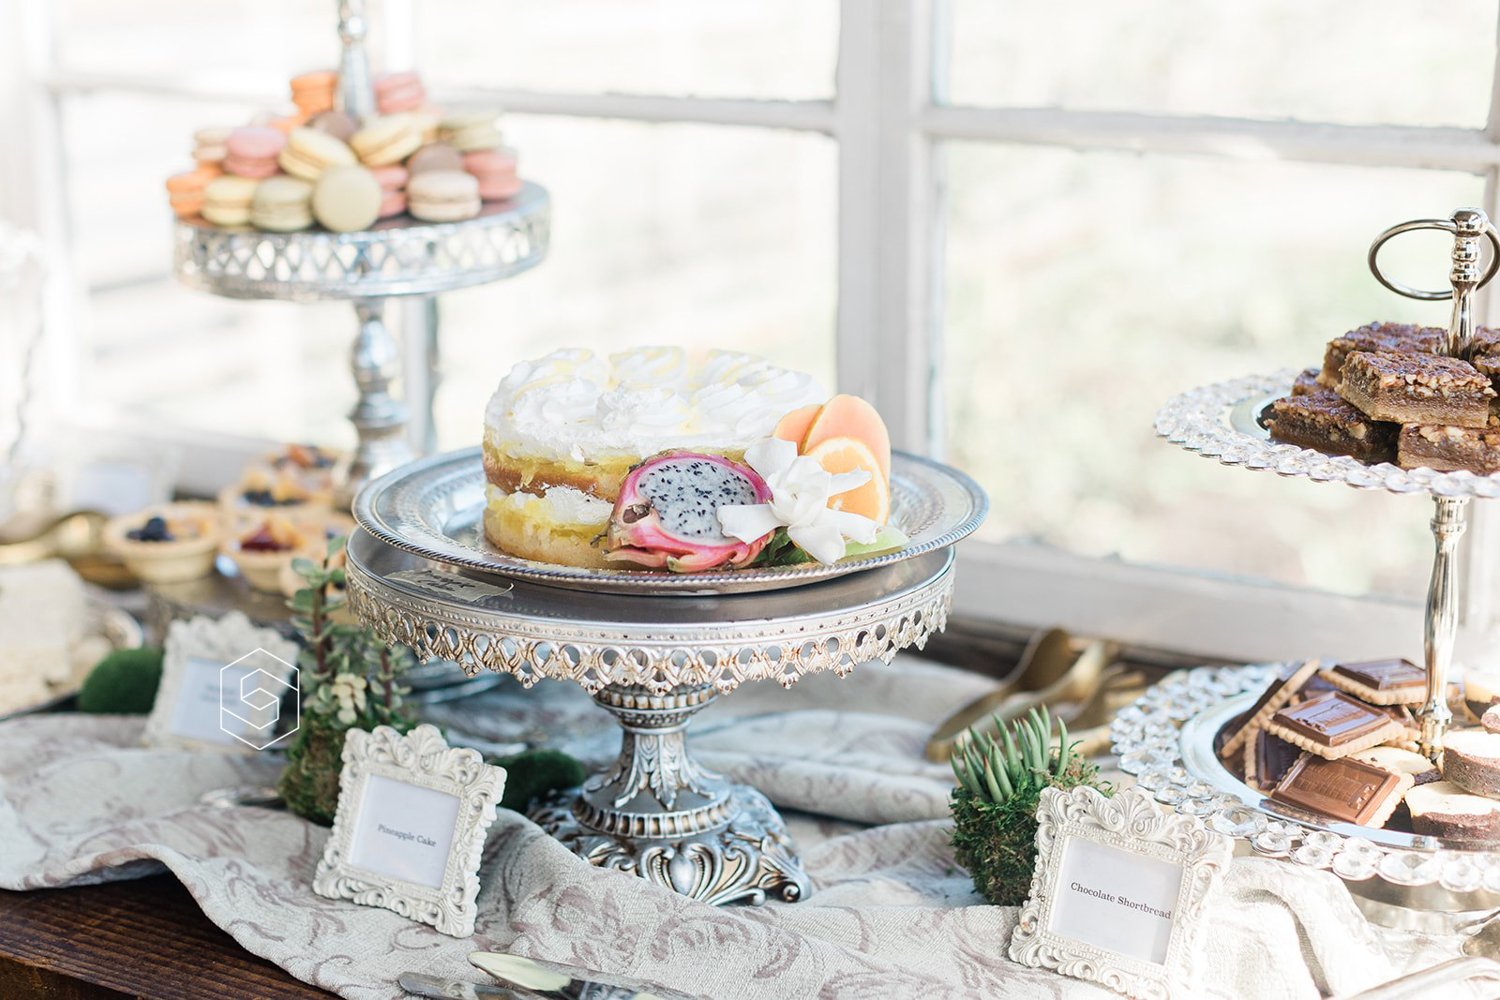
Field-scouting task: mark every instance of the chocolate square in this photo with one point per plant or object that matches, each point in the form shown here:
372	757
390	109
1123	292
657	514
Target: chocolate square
1383	675
1332	720
1347	790
1274	757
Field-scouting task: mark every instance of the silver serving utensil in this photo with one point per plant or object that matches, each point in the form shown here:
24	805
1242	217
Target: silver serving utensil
1481	950
259	796
545	980
421	985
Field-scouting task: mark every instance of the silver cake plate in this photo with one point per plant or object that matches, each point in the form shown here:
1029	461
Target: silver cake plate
433	508
1166	740
653	664
1224	421
399	256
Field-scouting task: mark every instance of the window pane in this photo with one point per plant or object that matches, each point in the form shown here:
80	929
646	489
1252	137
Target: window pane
154	349
270	40
1394	61
662	234
772	48
1086	288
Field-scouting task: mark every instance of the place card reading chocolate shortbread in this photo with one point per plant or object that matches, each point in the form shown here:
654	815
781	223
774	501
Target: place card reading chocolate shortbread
1380	682
1417	389
1442	809
1324	422
1334	726
1393	338
1287	682
1347	790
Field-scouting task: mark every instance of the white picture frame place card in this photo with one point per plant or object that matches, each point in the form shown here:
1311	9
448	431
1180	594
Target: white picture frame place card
224	684
410	826
1118	891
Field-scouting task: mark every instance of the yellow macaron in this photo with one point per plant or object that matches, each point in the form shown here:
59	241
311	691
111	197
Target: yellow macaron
308	152
227	199
387	140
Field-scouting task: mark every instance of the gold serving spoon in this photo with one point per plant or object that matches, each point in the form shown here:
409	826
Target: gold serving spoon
1045	666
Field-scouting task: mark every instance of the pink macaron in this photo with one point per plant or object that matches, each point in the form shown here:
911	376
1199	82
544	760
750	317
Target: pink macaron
495	170
392	180
251	151
399	92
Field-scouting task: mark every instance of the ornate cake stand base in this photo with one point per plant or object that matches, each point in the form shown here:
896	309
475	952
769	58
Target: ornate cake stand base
659	814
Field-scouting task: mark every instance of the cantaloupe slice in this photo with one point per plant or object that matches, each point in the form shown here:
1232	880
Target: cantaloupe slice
845	454
794	426
851	417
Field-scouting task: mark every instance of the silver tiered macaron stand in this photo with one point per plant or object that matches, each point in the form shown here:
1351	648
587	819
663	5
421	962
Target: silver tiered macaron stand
652	655
398	257
1166	739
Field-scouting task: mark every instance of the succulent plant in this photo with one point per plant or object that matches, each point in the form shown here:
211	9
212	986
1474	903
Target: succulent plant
1000	782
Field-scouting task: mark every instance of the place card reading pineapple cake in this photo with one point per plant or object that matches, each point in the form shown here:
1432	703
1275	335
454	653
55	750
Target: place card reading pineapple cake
656	458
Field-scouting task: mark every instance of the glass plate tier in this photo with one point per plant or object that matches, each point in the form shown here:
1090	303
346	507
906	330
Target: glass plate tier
400	256
1166	740
432	508
1223	421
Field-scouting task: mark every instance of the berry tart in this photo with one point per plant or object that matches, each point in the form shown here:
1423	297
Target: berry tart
168	543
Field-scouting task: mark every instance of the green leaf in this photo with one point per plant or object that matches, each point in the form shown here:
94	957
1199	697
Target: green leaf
335	546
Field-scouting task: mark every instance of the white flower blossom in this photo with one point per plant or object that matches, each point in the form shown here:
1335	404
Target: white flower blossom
800	489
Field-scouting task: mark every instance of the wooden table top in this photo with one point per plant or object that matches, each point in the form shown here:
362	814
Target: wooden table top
142	938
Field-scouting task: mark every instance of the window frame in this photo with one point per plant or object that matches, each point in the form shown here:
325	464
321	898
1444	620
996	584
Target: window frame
890	119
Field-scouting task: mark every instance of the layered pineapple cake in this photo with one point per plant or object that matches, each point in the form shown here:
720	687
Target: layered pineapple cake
563	432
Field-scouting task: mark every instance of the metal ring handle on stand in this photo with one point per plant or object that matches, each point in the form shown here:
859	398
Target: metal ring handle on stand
1450	226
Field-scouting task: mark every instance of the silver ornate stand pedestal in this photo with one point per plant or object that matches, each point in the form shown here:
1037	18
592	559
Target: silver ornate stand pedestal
402	256
659	814
653	663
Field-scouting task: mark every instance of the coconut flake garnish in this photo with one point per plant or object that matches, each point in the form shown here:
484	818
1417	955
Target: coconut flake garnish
800	489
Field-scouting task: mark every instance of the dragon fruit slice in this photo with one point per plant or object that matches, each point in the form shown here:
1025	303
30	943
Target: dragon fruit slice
665	516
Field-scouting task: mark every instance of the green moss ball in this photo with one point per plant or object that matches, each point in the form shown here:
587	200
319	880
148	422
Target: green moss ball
123	683
534	773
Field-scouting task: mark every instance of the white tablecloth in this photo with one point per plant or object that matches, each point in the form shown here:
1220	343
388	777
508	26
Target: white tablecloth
891	915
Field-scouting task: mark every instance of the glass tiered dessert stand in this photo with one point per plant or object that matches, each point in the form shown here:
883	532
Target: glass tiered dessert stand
402	256
1166	739
653	649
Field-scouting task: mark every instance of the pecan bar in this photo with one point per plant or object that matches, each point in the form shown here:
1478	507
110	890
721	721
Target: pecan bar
1449	449
1392	338
1324	422
1306	382
1417	389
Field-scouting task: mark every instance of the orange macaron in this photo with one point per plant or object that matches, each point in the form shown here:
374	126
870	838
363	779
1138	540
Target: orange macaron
313	92
185	191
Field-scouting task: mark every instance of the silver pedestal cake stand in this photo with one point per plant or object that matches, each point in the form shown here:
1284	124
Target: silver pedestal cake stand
398	257
651	659
1166	739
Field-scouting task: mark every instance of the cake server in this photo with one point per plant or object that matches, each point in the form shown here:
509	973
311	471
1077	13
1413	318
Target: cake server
421	985
535	980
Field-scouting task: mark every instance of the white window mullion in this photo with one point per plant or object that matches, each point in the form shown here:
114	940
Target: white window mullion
886	345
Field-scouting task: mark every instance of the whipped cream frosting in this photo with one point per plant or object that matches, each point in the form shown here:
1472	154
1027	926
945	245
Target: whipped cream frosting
575	405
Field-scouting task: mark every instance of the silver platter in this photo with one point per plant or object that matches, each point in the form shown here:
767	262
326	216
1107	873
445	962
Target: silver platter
1223	422
432	508
400	256
598	640
1166	740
